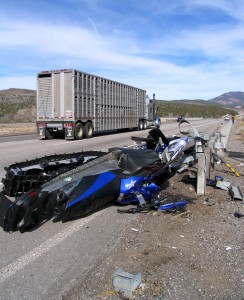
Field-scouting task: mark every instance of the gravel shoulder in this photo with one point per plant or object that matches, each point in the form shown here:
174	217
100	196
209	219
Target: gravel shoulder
198	254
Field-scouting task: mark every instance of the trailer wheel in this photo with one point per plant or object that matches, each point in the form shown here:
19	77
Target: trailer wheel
48	134
144	125
79	131
140	125
88	130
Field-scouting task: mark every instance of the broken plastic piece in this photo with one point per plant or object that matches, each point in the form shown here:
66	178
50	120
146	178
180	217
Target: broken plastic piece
173	206
218	177
238	215
236	193
211	182
223	185
182	169
126	283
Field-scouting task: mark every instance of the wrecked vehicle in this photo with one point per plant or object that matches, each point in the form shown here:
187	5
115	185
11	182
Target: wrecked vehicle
123	175
24	176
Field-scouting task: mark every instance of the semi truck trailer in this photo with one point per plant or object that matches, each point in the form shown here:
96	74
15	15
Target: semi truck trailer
76	104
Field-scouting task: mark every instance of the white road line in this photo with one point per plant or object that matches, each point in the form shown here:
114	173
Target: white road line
31	256
59	144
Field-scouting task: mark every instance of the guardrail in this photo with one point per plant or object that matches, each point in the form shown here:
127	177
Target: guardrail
212	143
174	119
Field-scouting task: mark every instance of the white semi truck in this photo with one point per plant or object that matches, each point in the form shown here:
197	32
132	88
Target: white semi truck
77	104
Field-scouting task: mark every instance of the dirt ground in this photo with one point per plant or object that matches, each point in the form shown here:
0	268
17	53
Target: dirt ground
197	254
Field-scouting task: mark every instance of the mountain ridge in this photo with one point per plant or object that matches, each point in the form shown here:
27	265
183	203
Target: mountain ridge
229	99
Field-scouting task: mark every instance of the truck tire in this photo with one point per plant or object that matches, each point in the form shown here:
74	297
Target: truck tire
88	130
144	125
140	125
48	134
79	131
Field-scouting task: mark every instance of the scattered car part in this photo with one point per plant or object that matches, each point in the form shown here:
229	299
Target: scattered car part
238	214
211	182
218	177
236	193
177	206
126	283
223	185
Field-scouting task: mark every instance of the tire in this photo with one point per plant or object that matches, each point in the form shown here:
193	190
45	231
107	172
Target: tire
140	125
48	135
88	130
79	131
144	125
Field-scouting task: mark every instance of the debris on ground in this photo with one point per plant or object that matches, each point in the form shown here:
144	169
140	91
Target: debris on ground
197	254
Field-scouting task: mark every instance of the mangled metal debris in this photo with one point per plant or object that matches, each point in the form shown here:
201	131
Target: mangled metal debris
158	205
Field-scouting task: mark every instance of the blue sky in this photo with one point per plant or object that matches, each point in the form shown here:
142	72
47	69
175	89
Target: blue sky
177	49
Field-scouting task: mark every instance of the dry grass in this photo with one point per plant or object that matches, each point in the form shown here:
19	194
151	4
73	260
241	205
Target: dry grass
240	124
7	129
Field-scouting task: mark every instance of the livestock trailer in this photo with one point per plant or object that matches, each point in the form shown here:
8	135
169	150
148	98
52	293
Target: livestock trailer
76	104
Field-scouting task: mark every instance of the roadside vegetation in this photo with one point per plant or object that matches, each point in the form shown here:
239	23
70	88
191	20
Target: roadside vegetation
17	105
240	124
17	112
175	108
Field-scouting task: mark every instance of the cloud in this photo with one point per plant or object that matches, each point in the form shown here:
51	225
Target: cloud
180	62
81	44
234	8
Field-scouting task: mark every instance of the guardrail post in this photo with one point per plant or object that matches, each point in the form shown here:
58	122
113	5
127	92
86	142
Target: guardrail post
201	174
217	142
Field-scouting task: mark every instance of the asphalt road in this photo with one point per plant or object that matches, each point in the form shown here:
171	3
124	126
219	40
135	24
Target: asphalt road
46	262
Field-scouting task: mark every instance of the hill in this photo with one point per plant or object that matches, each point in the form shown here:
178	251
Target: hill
224	104
17	96
19	105
231	99
191	108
